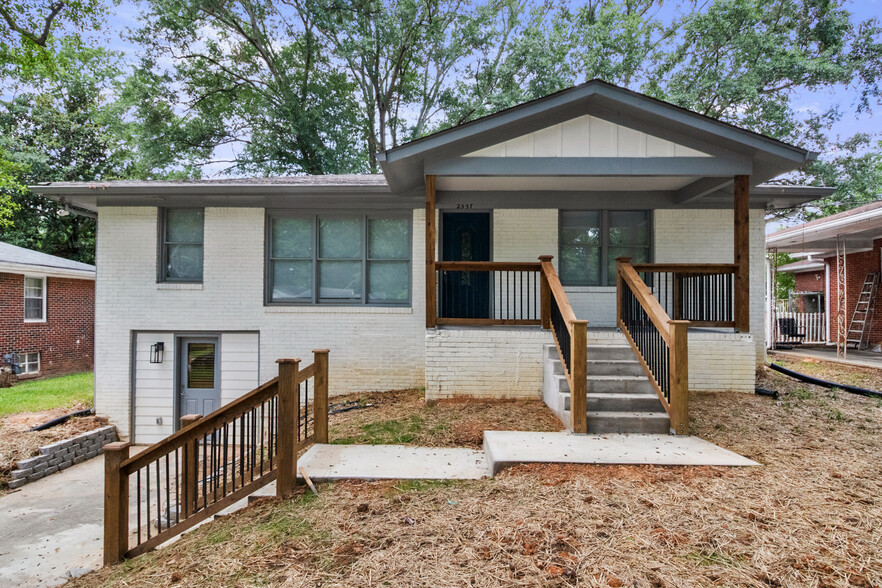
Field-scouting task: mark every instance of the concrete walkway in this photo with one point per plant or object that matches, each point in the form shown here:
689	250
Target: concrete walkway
53	528
508	448
383	462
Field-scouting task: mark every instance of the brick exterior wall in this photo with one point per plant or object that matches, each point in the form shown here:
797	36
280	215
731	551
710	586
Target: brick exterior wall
372	348
857	265
810	281
66	340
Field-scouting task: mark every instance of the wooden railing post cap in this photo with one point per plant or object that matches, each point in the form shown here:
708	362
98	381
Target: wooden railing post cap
623	259
680	323
579	322
546	257
283	360
117	446
321	351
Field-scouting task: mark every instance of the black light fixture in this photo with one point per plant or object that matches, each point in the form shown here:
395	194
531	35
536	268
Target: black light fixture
156	352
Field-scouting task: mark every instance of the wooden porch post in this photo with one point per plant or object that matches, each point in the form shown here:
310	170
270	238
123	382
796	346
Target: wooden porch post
320	403
431	288
545	294
288	423
116	503
579	363
742	253
679	383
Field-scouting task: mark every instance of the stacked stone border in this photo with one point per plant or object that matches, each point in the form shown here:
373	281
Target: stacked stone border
61	455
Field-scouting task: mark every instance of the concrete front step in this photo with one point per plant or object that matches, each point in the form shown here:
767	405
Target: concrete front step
619	385
624	403
614	367
602	352
628	422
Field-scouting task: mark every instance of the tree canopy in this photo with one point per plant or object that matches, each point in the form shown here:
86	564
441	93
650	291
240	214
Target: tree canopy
251	87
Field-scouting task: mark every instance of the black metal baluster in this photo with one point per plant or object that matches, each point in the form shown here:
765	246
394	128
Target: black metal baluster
138	501
204	470
167	494
147	487
177	488
158	498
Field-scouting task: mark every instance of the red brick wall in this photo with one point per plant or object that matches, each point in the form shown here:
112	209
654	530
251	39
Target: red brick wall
858	265
66	341
810	281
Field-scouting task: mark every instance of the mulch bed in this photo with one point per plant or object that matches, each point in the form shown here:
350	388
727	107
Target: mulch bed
811	515
16	442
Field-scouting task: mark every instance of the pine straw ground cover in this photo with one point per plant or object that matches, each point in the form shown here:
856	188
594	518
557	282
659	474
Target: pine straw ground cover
16	442
810	516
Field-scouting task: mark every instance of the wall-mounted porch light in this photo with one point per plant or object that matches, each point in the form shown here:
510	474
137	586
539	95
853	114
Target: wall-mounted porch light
156	352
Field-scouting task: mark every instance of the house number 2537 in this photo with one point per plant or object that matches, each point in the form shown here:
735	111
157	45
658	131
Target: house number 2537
463	206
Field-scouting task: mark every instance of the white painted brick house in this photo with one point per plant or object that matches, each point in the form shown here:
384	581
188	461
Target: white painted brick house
226	276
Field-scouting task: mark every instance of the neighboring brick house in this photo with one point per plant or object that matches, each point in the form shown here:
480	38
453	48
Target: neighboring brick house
859	232
204	284
47	312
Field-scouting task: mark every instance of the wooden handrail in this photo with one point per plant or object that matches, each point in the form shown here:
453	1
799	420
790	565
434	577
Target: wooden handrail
488	266
577	377
687	268
181	468
644	296
674	333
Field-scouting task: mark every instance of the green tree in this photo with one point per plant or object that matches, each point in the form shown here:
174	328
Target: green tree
249	79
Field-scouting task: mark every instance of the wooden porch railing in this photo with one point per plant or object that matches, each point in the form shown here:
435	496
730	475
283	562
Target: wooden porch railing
215	460
660	343
487	293
702	293
571	339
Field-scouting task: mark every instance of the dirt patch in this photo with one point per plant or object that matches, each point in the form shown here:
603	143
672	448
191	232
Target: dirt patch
403	416
811	515
832	372
16	442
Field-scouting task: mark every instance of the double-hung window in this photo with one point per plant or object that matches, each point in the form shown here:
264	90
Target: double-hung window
181	245
34	300
591	240
338	259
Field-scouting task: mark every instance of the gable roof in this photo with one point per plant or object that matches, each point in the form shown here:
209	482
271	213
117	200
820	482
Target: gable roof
404	164
18	260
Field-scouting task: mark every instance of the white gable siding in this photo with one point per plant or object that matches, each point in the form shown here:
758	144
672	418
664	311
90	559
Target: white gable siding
587	136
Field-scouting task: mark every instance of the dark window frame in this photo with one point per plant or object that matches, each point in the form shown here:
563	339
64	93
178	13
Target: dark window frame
606	280
163	243
365	217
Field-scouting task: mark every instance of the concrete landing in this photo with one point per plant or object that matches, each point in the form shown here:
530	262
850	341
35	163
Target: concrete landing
508	448
382	462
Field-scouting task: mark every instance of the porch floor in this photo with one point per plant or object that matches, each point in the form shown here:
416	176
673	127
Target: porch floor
854	357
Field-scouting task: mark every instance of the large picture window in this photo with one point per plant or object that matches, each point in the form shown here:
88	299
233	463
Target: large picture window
591	240
181	239
338	259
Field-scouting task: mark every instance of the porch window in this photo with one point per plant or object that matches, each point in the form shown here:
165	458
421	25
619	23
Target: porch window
338	259
34	300
181	245
591	240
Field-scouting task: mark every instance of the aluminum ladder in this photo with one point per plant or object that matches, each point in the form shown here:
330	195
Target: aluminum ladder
863	312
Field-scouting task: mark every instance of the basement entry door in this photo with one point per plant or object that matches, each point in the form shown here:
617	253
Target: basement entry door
198	376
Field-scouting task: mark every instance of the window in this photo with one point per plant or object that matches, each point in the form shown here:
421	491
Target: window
338	259
181	245
591	240
29	363
34	300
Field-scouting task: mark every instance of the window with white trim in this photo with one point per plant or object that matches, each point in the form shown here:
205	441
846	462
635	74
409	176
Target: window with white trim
28	363
181	245
590	241
34	299
337	258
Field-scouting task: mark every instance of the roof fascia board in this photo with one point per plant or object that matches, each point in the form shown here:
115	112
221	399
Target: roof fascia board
836	226
45	270
590	166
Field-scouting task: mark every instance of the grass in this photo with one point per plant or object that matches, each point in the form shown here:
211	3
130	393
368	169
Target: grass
39	395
